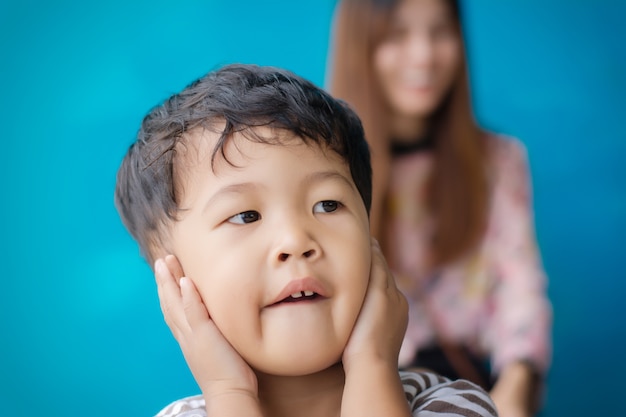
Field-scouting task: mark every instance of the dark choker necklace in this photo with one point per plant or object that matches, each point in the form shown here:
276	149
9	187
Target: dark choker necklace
419	145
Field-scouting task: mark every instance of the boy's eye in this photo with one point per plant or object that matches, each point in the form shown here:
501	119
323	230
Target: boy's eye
245	217
326	206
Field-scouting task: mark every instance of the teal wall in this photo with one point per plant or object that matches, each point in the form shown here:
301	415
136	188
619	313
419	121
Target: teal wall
81	330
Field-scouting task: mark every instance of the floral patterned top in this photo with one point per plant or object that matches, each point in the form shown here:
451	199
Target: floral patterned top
494	300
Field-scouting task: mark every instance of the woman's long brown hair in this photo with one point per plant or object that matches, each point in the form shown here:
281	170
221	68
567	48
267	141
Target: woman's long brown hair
458	184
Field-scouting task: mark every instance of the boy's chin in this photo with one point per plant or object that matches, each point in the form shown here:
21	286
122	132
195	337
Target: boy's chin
301	366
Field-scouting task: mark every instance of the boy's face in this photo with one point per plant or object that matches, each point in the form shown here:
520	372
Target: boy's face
282	220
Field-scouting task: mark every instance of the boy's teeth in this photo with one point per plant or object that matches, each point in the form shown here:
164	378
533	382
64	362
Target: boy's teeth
301	294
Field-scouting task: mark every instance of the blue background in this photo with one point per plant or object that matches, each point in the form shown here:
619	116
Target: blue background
81	330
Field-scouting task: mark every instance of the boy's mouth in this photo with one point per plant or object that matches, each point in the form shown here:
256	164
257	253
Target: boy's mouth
300	296
301	290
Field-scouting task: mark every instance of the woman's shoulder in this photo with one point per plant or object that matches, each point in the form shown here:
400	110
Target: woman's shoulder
506	154
501	145
427	391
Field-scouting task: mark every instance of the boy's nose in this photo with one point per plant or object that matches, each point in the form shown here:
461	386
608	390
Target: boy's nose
283	256
296	242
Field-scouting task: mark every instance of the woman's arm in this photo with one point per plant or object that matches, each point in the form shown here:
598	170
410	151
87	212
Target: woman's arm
515	393
522	314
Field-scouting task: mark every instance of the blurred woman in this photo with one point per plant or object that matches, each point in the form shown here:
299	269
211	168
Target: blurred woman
451	203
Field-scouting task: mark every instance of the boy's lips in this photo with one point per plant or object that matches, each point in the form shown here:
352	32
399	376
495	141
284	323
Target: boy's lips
304	288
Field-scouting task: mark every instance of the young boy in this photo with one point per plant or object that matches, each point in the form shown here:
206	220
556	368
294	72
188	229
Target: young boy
250	192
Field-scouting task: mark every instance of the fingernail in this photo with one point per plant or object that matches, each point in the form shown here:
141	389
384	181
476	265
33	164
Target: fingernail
158	265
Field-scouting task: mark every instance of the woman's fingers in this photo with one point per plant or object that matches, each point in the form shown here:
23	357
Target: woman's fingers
379	261
174	267
195	311
387	283
209	355
182	305
170	299
380	268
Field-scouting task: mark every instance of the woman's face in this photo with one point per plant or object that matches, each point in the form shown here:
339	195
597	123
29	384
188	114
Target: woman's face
417	61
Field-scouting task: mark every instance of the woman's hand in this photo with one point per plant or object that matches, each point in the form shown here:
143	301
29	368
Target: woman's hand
381	324
514	392
221	373
370	359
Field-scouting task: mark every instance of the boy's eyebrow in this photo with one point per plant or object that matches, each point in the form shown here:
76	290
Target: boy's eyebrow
230	189
247	186
327	175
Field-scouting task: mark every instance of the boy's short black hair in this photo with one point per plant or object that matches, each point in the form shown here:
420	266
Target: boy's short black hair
239	98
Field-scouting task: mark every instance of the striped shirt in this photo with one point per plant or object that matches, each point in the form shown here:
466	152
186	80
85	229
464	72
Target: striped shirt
428	395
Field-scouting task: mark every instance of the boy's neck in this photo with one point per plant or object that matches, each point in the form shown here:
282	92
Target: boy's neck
312	395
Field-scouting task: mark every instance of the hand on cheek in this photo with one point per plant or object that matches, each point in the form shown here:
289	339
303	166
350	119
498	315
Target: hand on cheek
380	327
216	366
